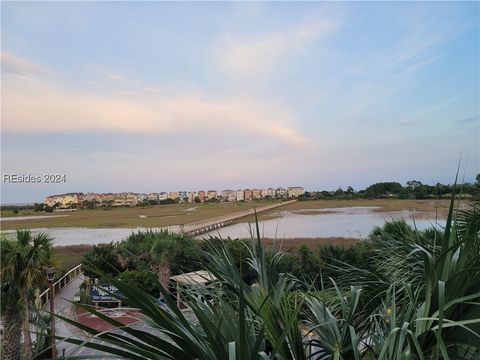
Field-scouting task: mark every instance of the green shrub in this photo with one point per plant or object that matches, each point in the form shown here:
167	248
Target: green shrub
145	280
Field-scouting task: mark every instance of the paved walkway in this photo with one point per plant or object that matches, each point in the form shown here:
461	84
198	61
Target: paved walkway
64	307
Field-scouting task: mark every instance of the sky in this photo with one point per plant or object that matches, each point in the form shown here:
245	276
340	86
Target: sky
168	96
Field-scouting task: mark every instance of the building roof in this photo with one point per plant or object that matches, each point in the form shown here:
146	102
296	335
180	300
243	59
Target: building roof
194	277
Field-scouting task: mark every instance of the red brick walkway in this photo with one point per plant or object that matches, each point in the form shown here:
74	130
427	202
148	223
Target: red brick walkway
92	321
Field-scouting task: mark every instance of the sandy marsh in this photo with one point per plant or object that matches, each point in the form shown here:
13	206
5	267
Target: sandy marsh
176	214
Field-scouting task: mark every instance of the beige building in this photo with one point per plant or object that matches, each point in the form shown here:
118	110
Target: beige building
211	194
228	195
247	195
106	199
173	195
264	193
152	197
239	195
53	200
125	199
201	196
72	199
91	197
256	194
191	196
295	191
65	201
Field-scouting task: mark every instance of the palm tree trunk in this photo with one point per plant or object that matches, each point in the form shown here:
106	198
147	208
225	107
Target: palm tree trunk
27	340
12	335
164	274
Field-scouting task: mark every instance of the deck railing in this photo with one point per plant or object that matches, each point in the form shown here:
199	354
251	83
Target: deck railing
202	224
44	297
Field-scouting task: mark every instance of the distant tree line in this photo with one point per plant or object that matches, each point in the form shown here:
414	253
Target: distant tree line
413	189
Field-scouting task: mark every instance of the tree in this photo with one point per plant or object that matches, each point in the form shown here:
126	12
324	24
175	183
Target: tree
103	258
383	189
23	263
161	252
11	311
38	207
143	279
172	253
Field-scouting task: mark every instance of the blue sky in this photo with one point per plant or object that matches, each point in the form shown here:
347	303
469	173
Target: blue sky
153	96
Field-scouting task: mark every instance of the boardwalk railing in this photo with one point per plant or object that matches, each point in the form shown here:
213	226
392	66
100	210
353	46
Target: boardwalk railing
44	297
204	226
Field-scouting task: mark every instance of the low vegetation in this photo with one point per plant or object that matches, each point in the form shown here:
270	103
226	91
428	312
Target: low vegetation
401	294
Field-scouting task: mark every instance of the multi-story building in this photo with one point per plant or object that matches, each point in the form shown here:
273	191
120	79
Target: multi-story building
173	195
72	199
152	197
201	196
162	196
256	194
239	195
228	195
53	200
281	193
191	195
247	195
211	194
182	195
295	191
91	196
125	199
141	197
106	199
271	192
264	193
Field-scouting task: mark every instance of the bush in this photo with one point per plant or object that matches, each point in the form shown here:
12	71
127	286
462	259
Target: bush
145	280
101	259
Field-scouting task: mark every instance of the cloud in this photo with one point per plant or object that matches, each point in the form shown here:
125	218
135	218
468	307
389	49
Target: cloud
469	120
14	65
115	77
44	106
259	57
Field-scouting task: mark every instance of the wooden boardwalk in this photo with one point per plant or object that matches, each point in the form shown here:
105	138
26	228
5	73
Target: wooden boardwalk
204	226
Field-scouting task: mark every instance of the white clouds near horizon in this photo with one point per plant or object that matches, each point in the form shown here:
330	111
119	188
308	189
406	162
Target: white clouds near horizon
257	58
40	105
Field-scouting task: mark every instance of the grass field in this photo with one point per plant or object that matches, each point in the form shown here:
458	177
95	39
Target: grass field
312	243
175	214
154	216
67	257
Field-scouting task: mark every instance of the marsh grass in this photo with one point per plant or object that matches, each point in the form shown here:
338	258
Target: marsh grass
420	301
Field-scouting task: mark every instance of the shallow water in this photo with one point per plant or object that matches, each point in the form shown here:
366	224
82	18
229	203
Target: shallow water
355	222
77	236
33	217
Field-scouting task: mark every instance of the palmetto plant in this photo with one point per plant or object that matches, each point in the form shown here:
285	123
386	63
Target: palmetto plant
420	301
23	261
427	300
